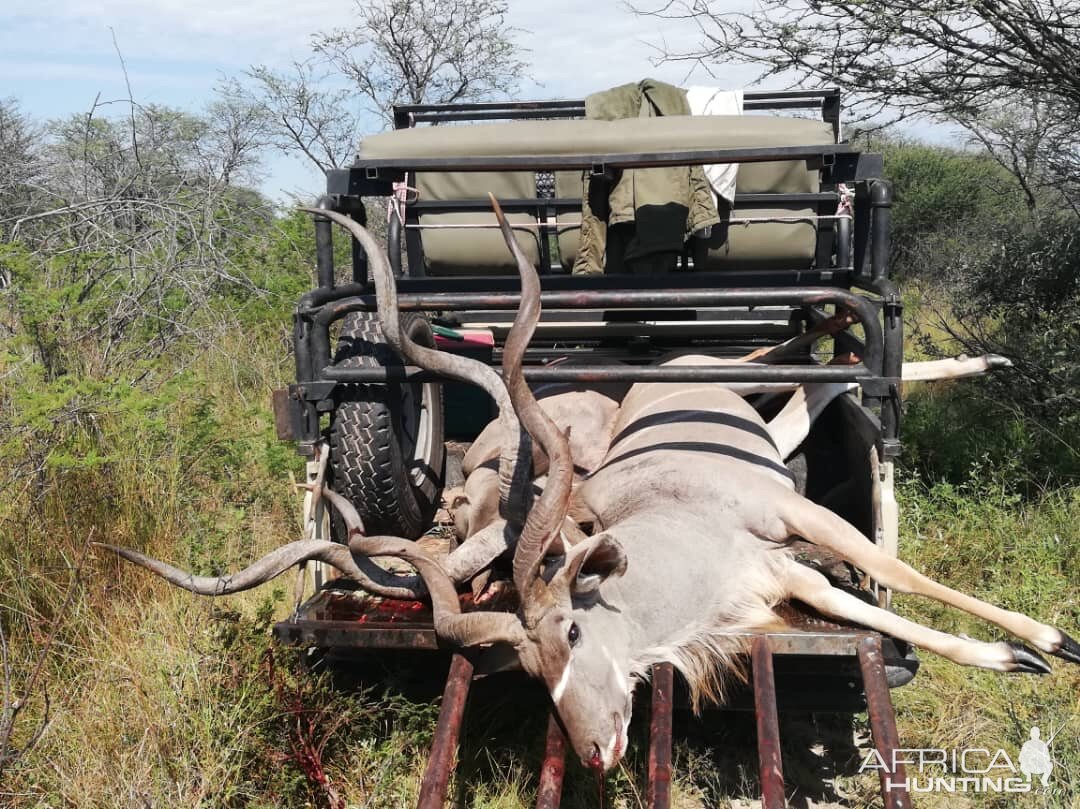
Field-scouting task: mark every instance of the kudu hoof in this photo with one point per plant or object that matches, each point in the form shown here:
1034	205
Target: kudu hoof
1028	661
1068	649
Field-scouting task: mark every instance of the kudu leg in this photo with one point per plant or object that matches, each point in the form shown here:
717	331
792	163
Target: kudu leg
822	527
814	589
791	425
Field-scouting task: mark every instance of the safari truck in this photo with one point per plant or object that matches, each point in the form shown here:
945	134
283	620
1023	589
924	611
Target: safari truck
805	239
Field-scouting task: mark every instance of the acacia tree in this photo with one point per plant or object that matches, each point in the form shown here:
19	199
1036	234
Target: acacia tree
1006	70
425	51
132	232
397	51
310	116
20	167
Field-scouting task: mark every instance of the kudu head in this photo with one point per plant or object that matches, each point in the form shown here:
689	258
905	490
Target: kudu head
566	633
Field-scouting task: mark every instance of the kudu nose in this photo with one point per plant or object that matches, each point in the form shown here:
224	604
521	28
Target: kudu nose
595	761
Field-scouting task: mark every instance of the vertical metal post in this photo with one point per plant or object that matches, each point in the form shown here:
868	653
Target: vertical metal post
663	683
892	366
543	236
359	257
393	245
861	236
826	236
883	722
881	199
843	243
768	725
447	731
549	792
324	250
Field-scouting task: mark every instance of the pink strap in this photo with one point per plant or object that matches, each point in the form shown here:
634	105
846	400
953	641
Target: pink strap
400	198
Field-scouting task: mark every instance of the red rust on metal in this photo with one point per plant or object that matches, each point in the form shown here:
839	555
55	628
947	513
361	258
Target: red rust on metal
768	725
883	722
549	793
447	731
663	682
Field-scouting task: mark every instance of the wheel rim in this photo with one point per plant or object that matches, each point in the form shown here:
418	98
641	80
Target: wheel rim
417	402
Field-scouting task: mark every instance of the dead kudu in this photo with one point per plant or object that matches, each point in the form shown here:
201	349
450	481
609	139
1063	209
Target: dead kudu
692	511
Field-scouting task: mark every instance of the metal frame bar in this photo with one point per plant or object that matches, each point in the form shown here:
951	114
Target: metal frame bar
770	766
530	204
388	169
447	732
407	115
879	707
318	338
553	767
663	686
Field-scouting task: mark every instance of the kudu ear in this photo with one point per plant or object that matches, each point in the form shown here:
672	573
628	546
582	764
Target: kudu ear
590	562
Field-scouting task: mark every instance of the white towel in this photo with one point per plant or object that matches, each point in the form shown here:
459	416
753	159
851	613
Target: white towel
714	101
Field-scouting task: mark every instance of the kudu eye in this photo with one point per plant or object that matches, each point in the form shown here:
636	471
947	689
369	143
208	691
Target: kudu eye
573	634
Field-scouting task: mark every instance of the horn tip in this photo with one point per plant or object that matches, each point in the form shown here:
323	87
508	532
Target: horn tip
497	208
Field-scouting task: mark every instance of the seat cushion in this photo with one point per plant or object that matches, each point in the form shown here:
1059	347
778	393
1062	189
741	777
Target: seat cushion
625	136
472	251
777	245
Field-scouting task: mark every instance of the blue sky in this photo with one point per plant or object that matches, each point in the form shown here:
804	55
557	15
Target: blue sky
57	55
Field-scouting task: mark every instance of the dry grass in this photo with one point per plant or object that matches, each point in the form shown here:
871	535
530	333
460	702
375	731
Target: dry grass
160	698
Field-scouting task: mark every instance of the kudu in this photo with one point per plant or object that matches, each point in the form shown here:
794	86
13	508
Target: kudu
694	510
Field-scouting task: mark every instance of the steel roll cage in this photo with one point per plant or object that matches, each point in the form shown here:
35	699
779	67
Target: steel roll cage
855	257
850	272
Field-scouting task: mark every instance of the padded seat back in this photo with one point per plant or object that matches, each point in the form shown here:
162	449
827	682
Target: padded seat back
466	247
476	251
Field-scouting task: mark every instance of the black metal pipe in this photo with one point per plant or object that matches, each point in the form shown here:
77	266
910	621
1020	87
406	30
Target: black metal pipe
757	279
861	236
302	348
669	298
359	255
741	372
620	299
529	204
881	199
754	96
321	295
881	286
393	245
324	247
308	430
843	242
411	114
892	366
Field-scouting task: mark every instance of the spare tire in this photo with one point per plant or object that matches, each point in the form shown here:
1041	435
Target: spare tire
386	441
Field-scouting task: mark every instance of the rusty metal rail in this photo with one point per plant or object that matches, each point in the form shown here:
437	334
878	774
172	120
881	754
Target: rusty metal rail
553	768
663	685
770	767
411	629
447	733
883	722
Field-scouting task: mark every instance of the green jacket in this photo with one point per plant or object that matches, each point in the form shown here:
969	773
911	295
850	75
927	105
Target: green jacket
645	218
